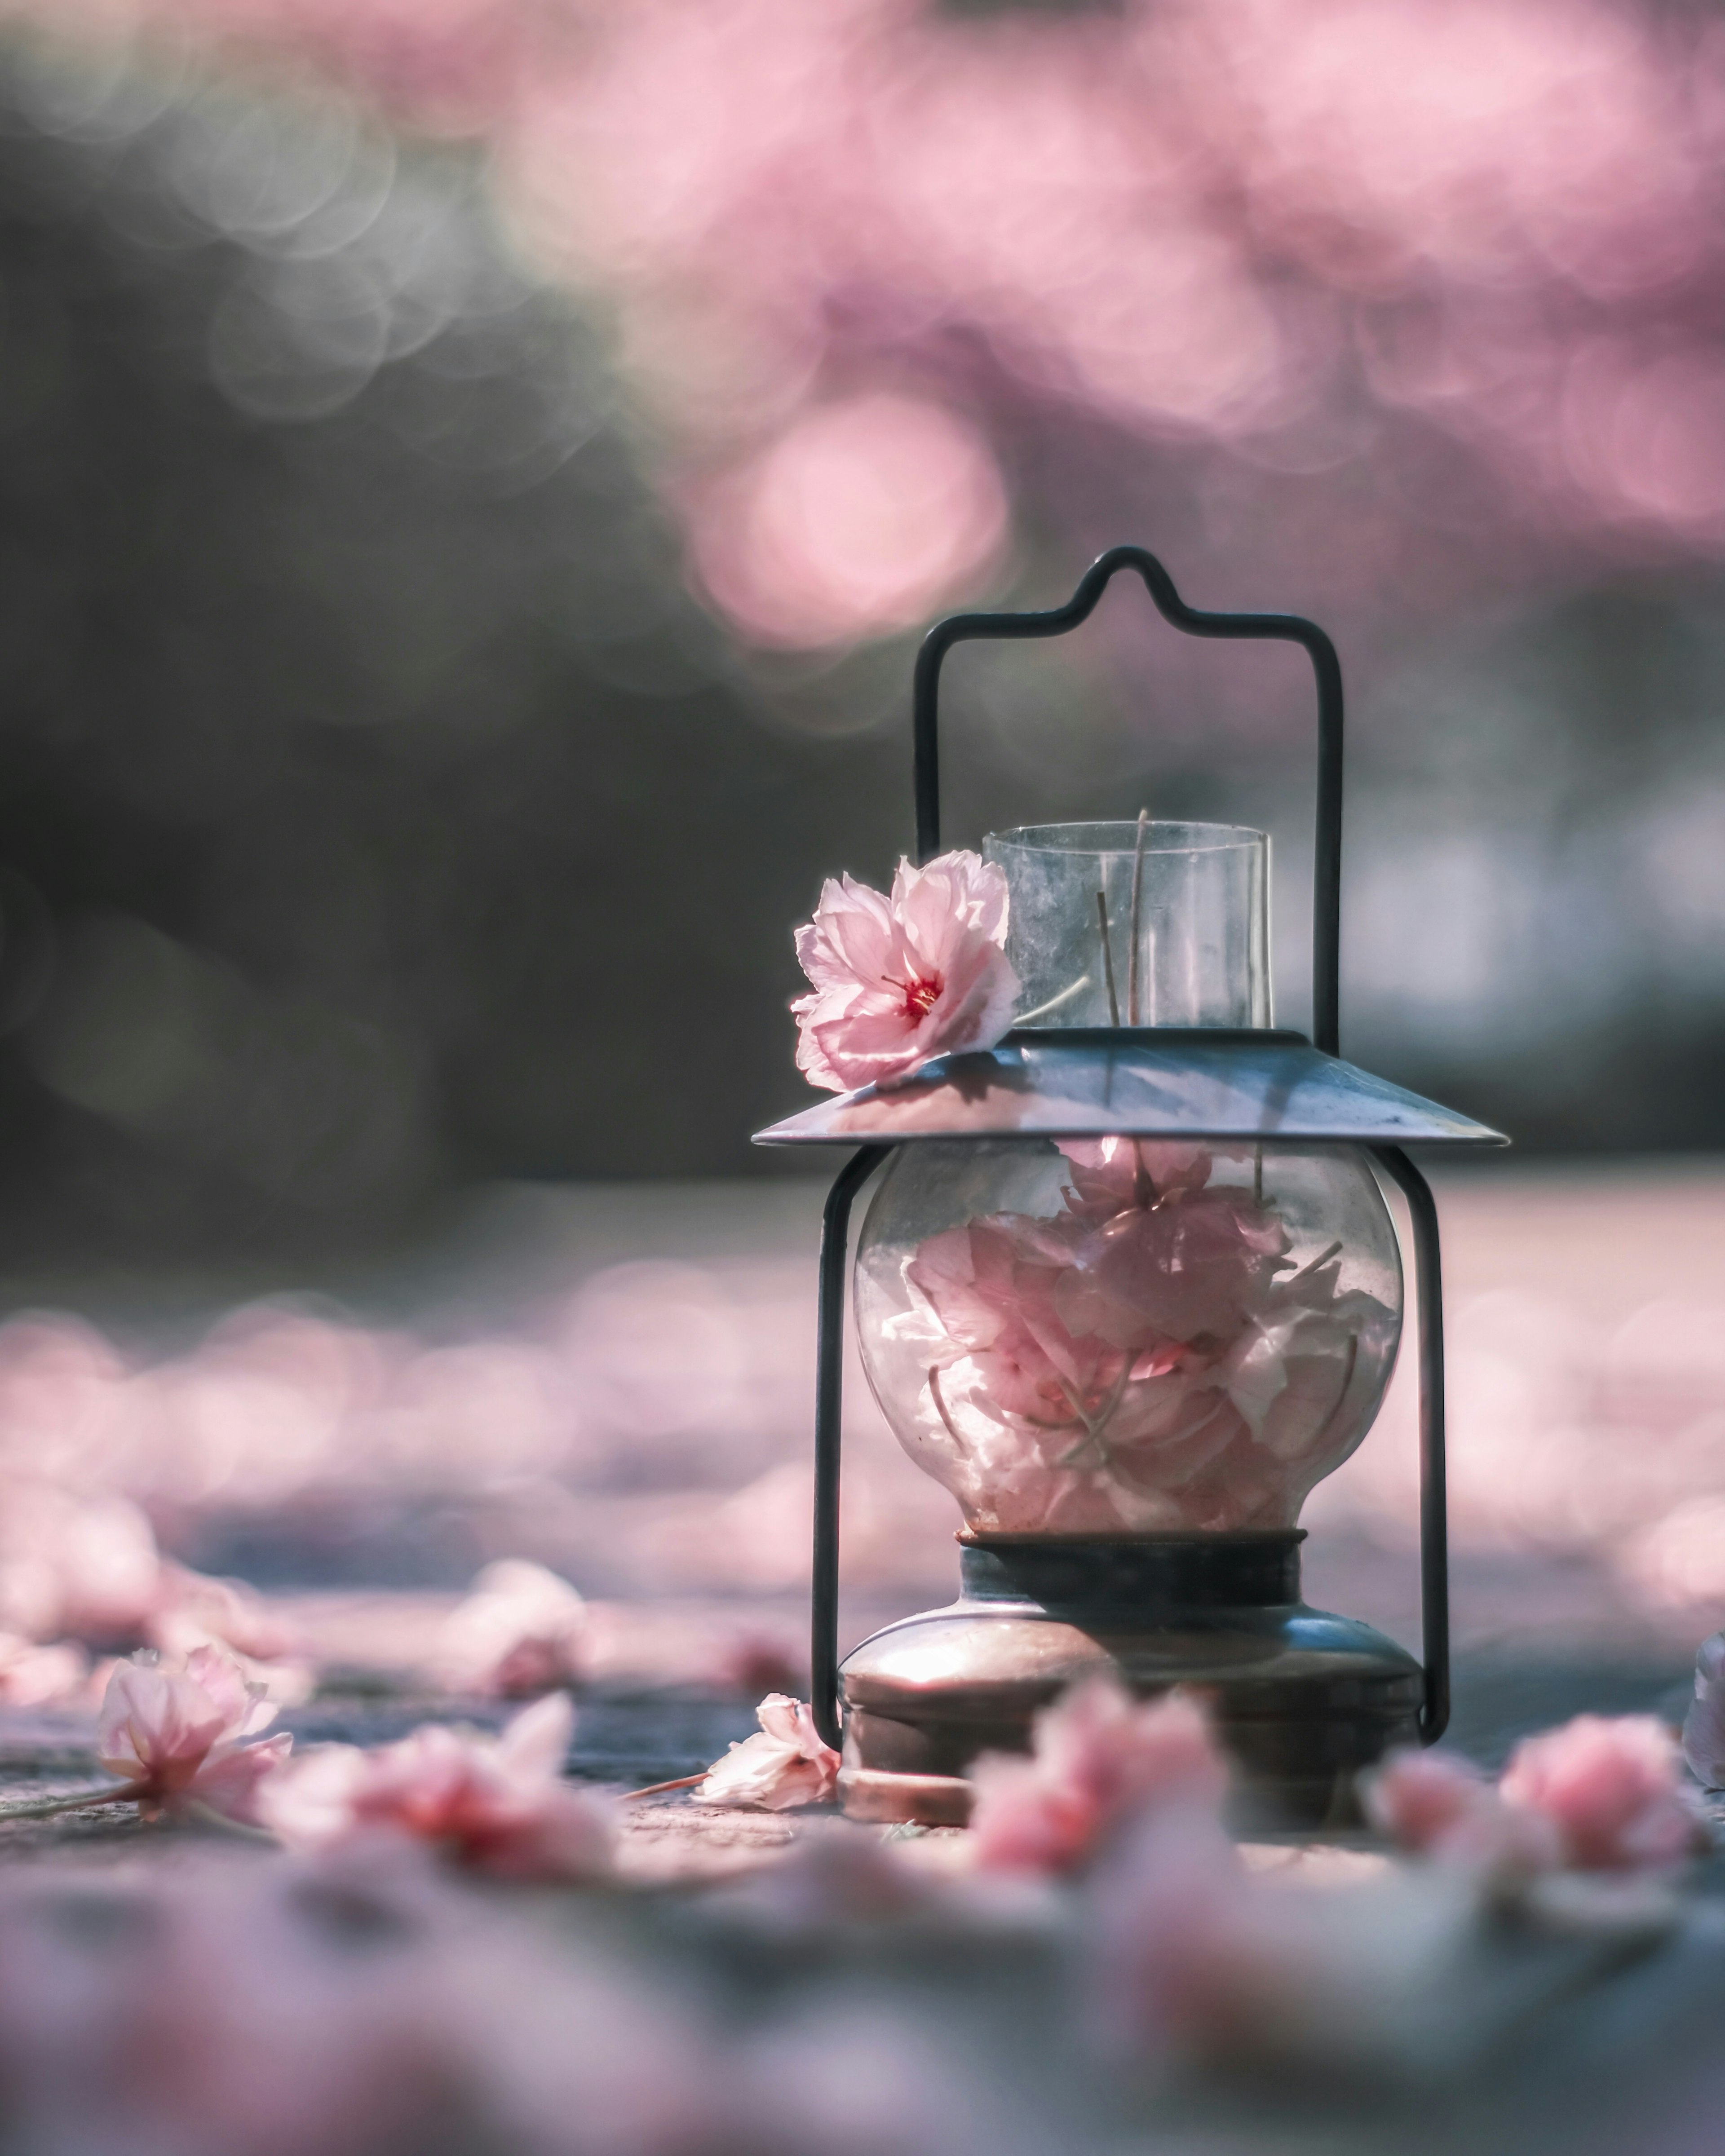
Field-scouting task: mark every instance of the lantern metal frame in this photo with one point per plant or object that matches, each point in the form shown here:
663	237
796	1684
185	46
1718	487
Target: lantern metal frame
1292	1092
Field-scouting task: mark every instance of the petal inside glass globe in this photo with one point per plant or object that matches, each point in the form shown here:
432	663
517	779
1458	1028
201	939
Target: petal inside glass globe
1122	1336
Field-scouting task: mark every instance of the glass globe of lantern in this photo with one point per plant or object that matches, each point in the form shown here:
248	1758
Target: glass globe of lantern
1122	1336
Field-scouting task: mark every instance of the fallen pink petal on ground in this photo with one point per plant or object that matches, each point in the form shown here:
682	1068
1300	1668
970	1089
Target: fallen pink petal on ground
1101	1759
498	1805
786	1763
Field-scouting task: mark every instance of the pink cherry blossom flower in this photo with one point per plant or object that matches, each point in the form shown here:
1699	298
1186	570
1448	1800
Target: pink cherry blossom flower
193	1611
1434	1804
896	980
227	1614
498	1805
177	1735
1610	1786
786	1763
522	1630
229	2005
1100	1757
76	1565
1704	1725
756	1660
32	1675
908	2087
1188	1951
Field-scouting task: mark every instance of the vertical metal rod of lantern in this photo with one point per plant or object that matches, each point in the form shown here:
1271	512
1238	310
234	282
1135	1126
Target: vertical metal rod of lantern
1433	1503
828	1419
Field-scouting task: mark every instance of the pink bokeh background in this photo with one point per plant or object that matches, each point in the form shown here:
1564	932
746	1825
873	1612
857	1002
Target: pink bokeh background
1439	281
1403	305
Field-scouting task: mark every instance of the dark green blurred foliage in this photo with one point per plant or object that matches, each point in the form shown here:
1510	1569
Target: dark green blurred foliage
367	822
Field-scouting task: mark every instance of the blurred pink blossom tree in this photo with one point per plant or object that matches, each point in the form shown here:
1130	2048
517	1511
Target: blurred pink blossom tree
1424	292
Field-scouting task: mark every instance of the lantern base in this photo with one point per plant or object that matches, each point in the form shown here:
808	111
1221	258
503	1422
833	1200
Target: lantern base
1301	1700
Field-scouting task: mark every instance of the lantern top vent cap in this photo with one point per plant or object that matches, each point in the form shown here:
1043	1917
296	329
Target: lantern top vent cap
1212	1082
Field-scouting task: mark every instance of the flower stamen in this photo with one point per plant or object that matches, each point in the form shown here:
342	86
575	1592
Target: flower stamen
921	995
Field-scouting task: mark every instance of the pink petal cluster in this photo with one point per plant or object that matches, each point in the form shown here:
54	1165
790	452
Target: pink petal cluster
226	1612
1353	1967
522	1630
1434	1804
179	1735
33	1676
79	1566
786	1763
756	1660
731	188
1100	1758
1704	1725
1188	1950
72	1564
192	1611
259	2005
896	980
1610	1787
498	1805
1601	1793
1139	1360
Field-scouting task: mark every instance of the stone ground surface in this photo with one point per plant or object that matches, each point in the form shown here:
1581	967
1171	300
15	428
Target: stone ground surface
628	1737
1573	2043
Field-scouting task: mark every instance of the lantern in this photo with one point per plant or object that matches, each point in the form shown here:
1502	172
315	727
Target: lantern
1129	1287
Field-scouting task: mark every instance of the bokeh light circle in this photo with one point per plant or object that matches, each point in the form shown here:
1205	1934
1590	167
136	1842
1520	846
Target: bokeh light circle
861	518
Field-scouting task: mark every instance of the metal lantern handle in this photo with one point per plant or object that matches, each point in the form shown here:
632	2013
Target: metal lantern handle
1243	627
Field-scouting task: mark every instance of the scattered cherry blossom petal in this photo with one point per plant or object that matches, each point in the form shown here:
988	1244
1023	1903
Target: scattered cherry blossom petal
247	2005
76	1564
498	1805
1434	1804
1610	1785
33	1676
193	1610
228	1613
522	1630
786	1763
1100	1757
1189	1954
179	1733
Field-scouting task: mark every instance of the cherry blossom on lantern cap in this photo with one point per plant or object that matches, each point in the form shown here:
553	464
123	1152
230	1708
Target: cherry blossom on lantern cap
897	979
